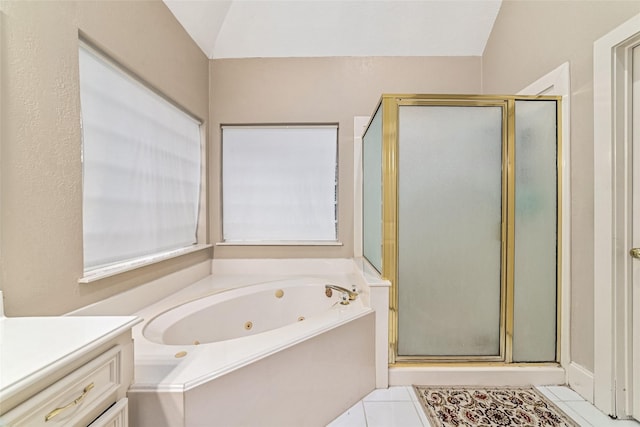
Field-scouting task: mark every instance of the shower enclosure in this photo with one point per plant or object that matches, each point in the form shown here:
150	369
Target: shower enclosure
461	200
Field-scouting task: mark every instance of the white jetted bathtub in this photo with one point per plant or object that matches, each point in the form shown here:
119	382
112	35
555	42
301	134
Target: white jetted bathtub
273	353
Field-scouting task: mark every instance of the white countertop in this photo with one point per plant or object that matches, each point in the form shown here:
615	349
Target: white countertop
31	348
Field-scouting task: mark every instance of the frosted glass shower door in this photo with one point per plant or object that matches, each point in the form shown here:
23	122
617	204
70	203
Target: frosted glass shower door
450	210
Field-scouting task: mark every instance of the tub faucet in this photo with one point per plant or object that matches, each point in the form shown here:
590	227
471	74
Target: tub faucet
329	286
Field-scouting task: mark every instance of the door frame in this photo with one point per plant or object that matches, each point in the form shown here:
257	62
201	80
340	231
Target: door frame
634	285
612	219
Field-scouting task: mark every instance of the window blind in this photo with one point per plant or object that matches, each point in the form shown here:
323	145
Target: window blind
279	183
141	167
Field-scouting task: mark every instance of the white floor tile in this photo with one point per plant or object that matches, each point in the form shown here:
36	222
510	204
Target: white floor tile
565	394
548	394
594	415
392	414
353	417
412	393
421	414
573	414
391	394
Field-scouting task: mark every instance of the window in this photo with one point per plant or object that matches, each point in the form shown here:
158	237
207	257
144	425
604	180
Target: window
141	167
279	183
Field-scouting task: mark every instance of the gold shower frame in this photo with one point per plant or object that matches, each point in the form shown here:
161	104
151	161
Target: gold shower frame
390	103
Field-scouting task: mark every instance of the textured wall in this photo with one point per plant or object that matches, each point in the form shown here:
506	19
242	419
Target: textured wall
308	90
529	39
41	194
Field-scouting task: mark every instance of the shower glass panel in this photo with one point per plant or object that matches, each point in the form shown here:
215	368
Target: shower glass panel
450	193
372	191
535	258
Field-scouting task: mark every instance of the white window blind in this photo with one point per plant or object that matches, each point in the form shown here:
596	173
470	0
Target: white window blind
141	167
279	183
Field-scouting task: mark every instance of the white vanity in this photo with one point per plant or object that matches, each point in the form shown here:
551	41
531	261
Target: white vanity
71	371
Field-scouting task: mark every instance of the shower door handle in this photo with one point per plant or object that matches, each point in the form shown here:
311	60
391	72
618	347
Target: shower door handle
635	252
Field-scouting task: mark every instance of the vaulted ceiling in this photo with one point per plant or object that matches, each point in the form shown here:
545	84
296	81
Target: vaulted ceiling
309	28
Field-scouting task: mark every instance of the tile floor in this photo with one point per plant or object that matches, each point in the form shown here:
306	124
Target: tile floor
399	407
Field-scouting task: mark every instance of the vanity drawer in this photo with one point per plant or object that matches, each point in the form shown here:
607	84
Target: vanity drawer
116	416
74	400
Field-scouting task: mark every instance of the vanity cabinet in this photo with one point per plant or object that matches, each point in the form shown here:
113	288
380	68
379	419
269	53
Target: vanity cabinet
86	386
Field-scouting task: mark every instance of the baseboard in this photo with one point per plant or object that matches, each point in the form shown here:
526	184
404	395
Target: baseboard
581	381
476	375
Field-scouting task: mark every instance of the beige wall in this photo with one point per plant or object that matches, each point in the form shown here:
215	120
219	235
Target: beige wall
41	173
529	39
290	90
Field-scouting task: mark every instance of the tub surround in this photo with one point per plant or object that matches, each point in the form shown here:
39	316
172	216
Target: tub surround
158	368
308	371
306	384
378	296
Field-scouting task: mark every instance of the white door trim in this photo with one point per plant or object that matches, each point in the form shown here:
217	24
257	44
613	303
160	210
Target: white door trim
634	285
557	82
611	218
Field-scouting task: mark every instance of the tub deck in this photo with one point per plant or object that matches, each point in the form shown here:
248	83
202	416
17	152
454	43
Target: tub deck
158	368
302	374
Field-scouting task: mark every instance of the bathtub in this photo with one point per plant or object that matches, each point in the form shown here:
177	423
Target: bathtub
272	352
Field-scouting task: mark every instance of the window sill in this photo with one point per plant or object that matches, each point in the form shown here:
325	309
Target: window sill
112	270
282	243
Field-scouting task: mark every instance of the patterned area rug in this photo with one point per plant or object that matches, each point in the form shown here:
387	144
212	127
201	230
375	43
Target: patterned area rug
489	406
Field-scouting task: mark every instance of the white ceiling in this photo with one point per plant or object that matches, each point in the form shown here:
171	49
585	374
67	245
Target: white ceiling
307	28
